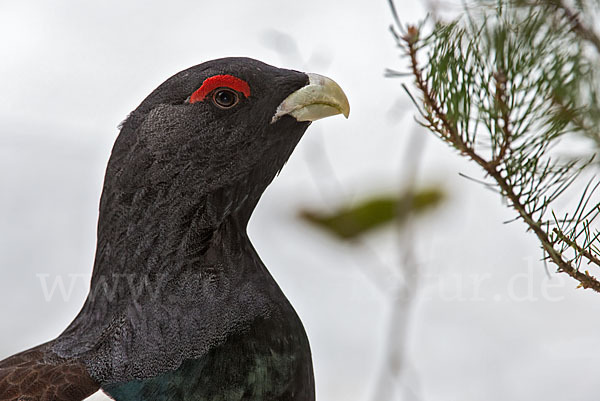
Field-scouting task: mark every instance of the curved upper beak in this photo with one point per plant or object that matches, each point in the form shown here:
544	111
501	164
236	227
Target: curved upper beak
321	98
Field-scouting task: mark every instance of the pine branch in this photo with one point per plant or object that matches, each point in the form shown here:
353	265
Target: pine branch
513	76
451	135
588	255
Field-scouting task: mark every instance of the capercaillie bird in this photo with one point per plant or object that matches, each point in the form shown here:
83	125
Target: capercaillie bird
181	307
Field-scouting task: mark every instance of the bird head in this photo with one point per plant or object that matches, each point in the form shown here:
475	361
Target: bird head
223	128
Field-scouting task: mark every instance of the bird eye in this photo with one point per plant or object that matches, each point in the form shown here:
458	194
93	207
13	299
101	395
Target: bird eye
225	98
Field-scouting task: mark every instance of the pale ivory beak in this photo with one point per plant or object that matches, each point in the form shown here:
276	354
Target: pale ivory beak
321	98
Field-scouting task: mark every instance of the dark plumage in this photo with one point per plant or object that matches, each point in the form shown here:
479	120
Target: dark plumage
180	306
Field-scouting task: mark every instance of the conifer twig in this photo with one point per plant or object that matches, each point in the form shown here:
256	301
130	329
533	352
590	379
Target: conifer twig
585	280
521	117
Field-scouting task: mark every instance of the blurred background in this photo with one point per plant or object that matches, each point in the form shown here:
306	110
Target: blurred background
450	304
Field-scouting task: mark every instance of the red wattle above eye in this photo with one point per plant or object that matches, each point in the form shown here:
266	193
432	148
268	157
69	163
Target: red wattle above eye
220	81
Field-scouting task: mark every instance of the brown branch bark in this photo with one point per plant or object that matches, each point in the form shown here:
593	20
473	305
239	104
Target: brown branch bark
505	115
591	258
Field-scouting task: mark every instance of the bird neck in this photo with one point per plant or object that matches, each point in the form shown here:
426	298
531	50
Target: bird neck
171	263
174	275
